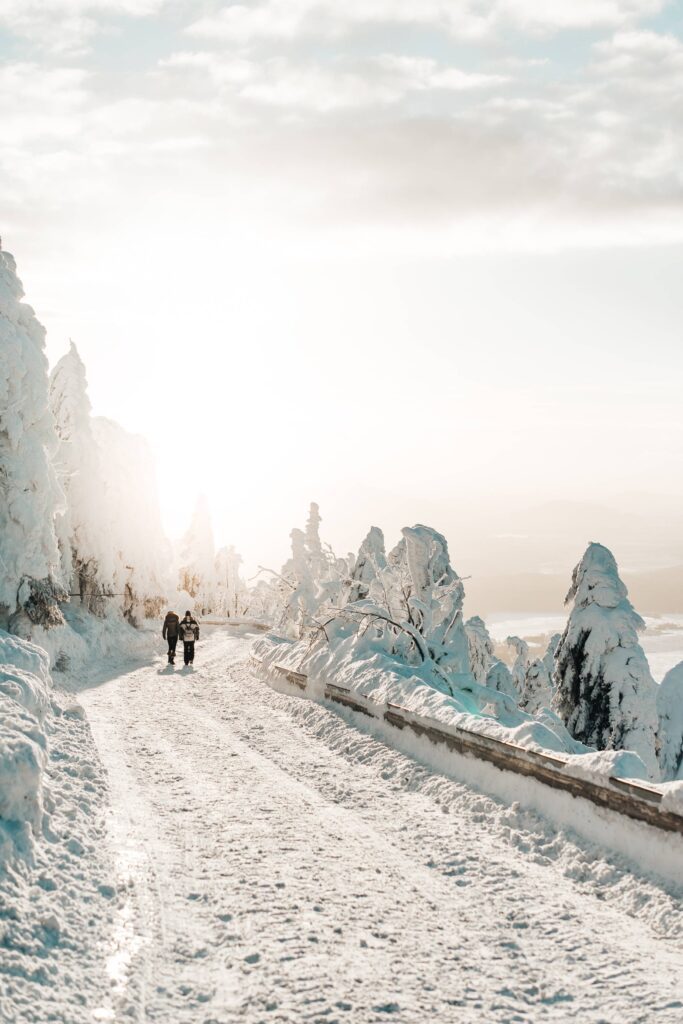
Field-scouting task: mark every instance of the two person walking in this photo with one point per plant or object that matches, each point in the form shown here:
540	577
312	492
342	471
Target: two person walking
187	629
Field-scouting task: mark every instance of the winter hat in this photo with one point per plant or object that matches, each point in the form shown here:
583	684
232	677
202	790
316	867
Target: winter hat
188	612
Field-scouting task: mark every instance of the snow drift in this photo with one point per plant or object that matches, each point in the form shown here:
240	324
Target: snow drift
24	704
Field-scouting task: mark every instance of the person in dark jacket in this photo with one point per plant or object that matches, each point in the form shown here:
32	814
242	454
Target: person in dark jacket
170	633
188	631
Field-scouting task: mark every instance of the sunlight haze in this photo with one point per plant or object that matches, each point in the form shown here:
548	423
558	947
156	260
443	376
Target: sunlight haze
414	262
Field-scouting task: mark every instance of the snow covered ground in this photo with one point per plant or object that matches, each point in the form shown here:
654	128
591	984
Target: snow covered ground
271	862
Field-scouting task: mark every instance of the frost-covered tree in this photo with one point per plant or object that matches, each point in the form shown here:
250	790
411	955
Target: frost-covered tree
499	677
537	691
301	602
423	595
232	593
605	693
371	560
549	656
312	543
197	574
670	713
87	555
480	648
30	495
521	662
142	554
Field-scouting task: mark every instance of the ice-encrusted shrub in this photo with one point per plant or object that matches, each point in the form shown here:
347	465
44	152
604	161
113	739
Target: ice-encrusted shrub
604	690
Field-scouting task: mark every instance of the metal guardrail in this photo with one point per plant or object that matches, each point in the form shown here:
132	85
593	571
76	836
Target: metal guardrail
633	799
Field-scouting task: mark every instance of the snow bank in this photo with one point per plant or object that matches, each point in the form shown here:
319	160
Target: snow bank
362	666
385	681
24	703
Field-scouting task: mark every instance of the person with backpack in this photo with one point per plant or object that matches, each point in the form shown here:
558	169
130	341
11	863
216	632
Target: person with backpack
170	633
188	631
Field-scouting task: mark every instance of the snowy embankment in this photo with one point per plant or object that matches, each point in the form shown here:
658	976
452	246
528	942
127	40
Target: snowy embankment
58	897
378	683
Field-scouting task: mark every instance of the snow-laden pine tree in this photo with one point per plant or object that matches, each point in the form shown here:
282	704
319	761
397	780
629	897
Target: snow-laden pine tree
197	574
313	544
670	713
232	593
500	678
480	648
302	601
436	597
82	530
30	495
371	560
520	664
142	554
537	691
605	693
550	652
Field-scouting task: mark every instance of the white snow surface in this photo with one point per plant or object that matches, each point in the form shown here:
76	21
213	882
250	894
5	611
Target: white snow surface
263	859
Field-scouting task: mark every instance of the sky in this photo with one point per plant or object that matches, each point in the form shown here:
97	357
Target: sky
417	260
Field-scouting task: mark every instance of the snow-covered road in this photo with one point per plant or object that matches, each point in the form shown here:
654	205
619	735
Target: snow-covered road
283	866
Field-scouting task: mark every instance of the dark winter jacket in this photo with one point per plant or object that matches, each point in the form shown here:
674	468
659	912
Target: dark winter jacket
188	630
170	626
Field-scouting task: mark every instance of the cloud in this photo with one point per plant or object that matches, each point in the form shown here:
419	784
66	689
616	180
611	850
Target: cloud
66	26
322	137
284	20
338	84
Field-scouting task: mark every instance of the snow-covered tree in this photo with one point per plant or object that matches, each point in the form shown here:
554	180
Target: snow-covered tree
550	652
499	677
232	593
480	648
197	574
521	662
371	560
313	544
604	690
421	592
142	554
30	495
301	602
670	713
87	555
537	691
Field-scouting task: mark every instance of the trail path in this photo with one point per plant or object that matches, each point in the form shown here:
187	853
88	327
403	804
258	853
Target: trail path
282	866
